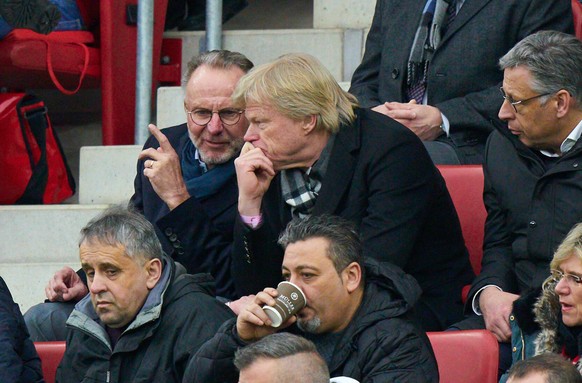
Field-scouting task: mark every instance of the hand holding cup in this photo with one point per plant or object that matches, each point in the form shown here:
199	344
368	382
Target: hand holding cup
289	302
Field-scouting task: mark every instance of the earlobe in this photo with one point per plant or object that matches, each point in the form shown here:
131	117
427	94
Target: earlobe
309	124
564	99
154	272
352	276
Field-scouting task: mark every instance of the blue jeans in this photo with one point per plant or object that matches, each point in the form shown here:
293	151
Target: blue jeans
46	321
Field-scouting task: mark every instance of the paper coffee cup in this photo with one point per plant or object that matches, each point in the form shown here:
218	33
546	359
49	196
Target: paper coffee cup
288	303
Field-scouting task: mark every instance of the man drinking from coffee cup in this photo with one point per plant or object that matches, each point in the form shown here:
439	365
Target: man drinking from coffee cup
358	315
289	301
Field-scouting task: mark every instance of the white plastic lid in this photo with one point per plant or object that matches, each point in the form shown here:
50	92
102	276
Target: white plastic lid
276	318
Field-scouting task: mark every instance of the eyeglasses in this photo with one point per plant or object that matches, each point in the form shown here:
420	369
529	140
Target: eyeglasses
203	116
571	279
514	103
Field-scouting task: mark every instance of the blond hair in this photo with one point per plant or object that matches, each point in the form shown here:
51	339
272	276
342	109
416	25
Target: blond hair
297	85
572	245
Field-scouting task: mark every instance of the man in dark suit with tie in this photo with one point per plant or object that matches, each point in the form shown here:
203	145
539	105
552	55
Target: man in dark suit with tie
316	152
432	66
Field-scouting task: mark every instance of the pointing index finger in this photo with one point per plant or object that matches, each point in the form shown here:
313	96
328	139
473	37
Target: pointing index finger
162	139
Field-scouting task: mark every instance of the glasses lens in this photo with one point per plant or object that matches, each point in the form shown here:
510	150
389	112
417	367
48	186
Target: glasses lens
508	99
229	117
201	117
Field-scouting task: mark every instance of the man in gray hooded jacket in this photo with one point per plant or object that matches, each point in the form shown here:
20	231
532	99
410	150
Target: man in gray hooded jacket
143	317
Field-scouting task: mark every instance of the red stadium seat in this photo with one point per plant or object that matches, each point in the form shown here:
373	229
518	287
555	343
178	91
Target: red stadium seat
50	354
466	356
105	55
577	12
465	184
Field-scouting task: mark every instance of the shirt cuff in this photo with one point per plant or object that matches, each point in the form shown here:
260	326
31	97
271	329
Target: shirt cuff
475	301
252	221
446	125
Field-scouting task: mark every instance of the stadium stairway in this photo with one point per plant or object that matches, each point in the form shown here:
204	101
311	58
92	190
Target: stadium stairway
36	241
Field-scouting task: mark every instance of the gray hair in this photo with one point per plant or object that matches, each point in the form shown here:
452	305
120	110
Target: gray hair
344	242
123	226
309	366
555	367
554	60
218	59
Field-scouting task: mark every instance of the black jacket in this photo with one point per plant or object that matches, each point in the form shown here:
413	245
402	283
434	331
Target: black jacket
19	362
381	344
463	76
381	178
198	233
179	315
530	209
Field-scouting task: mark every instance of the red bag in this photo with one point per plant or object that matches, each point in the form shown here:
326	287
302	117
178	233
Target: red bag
60	39
34	169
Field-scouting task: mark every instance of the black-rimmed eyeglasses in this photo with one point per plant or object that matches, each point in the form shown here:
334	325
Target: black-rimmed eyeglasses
203	116
514	103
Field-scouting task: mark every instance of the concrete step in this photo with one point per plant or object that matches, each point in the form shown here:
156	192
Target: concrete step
346	14
340	50
36	241
170	106
107	173
284	14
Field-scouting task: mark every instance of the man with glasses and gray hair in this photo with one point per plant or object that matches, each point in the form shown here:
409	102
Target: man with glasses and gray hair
186	178
185	185
533	174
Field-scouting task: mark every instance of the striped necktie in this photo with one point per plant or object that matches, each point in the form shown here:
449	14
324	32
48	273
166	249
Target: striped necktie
417	91
451	14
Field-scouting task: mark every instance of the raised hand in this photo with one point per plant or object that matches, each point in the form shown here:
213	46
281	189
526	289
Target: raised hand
253	323
162	168
254	173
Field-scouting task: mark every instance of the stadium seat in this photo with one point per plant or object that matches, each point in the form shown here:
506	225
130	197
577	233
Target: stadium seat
577	12
102	56
465	184
466	356
50	354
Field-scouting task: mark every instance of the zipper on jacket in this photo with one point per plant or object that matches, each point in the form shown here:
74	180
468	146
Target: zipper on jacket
522	346
108	376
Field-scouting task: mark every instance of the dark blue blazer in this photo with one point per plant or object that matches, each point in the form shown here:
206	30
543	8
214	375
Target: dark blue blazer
198	233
